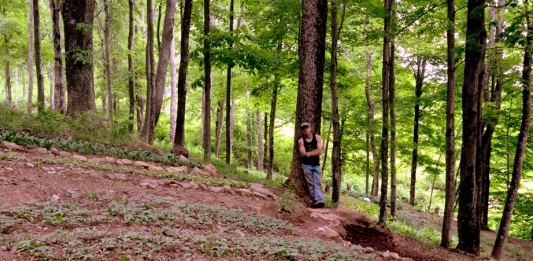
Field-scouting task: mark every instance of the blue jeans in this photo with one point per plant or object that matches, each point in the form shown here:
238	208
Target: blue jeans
313	176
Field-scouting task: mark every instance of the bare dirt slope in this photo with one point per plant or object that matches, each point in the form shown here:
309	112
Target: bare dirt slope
64	211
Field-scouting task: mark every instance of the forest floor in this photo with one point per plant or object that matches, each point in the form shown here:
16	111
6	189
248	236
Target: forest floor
73	210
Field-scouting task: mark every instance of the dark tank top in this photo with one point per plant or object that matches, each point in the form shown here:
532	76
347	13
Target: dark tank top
310	146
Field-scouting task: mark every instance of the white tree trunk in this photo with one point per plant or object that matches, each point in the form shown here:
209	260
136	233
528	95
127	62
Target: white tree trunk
173	91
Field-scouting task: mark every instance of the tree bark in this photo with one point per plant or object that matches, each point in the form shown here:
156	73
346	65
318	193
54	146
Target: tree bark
273	105
107	61
38	56
7	70
183	71
371	120
162	65
518	163
367	166
249	158
392	98
325	143
310	81
450	129
336	165
385	108
420	74
131	76
30	57
150	74
265	148
77	23
206	139
228	89
495	97
59	85
173	90
259	142
467	219
51	87
218	125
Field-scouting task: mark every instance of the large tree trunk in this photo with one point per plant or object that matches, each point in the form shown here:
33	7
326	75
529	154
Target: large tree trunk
59	85
385	124
150	64
206	139
30	57
131	82
467	219
521	145
38	56
450	129
179	138
259	142
79	45
419	84
310	81
392	98
496	98
107	61
336	173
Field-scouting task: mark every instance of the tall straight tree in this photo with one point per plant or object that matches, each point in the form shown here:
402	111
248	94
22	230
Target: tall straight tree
392	99
38	56
450	129
337	138
468	227
228	89
419	84
494	96
6	68
149	121
259	142
273	105
107	61
30	56
310	81
78	26
385	76
59	85
173	89
179	138
371	121
206	139
131	82
518	163
249	118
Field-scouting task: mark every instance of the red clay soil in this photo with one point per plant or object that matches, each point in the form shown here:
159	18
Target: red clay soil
370	237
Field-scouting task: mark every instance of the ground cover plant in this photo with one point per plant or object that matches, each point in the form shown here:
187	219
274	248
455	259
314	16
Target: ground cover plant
62	208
